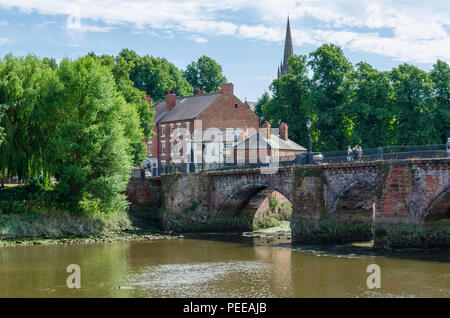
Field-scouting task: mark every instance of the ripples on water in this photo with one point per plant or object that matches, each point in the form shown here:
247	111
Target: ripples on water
199	279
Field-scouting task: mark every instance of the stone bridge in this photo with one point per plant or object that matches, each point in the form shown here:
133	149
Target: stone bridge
404	203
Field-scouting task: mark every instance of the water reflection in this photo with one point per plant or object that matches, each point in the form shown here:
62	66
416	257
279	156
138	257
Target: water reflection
218	267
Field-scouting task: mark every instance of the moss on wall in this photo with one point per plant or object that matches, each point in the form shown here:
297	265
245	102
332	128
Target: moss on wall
327	230
410	236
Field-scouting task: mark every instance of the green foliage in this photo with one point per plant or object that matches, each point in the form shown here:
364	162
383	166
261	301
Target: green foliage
81	122
289	102
440	75
204	73
261	103
155	75
23	83
349	106
414	106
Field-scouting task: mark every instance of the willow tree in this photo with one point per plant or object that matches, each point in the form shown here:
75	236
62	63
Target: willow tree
23	84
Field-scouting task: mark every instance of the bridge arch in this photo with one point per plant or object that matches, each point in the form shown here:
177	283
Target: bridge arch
354	185
251	202
439	208
354	208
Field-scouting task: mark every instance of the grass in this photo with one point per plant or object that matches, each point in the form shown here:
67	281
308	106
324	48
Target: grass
283	227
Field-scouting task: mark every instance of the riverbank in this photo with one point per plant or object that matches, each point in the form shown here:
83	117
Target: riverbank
111	237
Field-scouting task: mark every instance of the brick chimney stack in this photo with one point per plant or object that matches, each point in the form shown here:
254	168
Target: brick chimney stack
171	100
148	99
267	127
284	131
227	88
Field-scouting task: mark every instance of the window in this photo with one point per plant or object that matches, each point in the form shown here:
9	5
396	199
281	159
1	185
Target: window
150	148
178	129
163	148
188	128
171	146
235	105
163	130
171	129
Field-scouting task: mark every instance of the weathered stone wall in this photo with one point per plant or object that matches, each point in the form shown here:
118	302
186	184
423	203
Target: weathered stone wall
144	193
407	198
387	200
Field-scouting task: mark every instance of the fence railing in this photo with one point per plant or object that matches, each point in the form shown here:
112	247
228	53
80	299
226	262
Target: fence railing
370	154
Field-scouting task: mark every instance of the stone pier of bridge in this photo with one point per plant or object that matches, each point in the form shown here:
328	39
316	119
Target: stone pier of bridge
403	203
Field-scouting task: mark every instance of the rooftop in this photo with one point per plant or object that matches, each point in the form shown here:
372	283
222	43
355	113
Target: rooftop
187	107
259	140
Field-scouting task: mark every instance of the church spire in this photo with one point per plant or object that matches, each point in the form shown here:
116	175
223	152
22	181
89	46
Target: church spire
288	50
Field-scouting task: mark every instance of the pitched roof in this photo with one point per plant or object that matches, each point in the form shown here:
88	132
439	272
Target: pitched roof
251	105
274	142
187	107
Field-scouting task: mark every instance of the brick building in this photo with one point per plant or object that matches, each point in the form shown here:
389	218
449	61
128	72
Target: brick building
199	126
265	146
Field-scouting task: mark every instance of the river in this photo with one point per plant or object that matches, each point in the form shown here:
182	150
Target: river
219	266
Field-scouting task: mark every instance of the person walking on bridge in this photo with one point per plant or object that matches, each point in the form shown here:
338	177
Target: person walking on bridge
360	153
355	153
349	154
448	147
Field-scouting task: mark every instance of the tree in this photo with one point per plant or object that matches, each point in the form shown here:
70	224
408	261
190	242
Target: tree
121	69
262	101
93	130
414	106
205	73
440	75
330	93
23	84
370	108
289	103
155	76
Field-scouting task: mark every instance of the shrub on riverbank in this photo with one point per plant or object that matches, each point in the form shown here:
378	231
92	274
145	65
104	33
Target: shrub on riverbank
277	211
35	211
59	225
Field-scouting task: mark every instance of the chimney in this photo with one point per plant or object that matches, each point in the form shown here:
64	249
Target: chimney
148	99
284	131
244	134
267	127
171	100
227	88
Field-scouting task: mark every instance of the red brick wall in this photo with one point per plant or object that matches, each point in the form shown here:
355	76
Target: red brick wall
223	114
144	193
167	137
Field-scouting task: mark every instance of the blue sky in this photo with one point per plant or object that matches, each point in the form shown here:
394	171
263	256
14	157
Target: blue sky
245	36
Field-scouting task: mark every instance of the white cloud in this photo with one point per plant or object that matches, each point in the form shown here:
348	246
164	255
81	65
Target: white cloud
3	41
406	30
198	39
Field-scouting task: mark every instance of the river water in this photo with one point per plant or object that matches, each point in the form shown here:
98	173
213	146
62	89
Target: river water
219	266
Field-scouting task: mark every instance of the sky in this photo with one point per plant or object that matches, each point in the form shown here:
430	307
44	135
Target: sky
246	37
